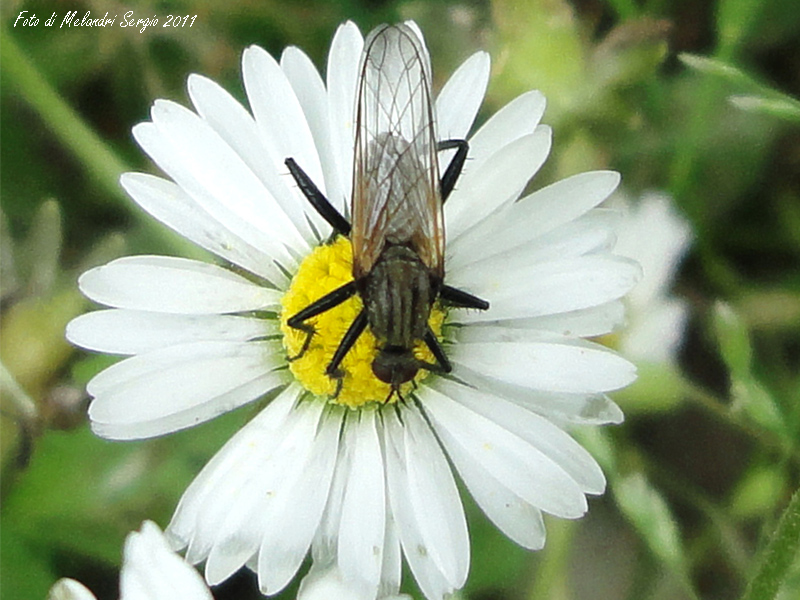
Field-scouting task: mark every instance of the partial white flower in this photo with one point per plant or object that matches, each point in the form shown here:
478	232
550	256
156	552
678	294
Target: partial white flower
362	485
69	589
150	571
657	236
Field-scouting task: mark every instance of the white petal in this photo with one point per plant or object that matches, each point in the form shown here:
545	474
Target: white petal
277	110
553	287
391	569
69	589
513	248
269	476
280	118
561	365
540	212
519	520
180	386
519	466
583	408
655	332
168	203
238	128
559	407
293	512
587	322
313	98
206	501
242	514
325	545
196	198
432	499
539	432
342	80
500	180
173	285
120	331
152	571
211	172
461	97
519	117
327	583
426	569
568	199
657	236
363	519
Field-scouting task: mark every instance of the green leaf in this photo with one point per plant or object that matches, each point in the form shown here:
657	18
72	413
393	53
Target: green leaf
784	108
779	555
26	571
758	492
761	99
719	68
650	514
748	394
81	495
735	19
733	339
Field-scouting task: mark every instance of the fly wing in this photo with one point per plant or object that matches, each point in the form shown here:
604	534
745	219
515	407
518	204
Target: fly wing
396	175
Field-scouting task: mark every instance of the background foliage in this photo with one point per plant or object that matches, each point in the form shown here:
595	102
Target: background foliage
708	458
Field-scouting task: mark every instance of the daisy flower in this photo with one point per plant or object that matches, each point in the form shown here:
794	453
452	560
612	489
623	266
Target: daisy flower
342	468
658	237
150	571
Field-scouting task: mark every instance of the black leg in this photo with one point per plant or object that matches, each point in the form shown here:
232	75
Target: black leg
455	167
351	335
327	302
323	206
438	353
461	299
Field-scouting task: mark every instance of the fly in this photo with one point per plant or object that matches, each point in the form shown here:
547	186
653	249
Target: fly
397	230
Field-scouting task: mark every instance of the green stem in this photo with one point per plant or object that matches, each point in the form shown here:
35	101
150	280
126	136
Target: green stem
101	163
19	397
549	580
778	555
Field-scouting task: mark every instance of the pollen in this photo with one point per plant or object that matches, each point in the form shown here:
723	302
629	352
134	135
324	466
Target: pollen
328	267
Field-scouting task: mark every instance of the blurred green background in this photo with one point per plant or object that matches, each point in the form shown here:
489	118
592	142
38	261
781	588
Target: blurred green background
709	455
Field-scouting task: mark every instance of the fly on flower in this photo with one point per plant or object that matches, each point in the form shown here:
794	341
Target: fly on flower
397	231
349	481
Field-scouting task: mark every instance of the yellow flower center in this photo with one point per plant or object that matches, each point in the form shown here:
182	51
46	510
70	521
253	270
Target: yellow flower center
328	267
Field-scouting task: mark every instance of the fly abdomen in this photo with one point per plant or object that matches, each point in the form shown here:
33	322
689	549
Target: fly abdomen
398	294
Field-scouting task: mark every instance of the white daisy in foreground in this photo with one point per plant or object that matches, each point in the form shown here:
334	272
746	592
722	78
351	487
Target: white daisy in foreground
654	234
352	468
150	571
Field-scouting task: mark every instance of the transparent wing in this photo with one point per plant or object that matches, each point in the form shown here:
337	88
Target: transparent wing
396	174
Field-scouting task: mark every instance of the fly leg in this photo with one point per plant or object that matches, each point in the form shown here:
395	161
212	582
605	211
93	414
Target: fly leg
322	205
327	302
455	167
461	299
351	335
442	364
